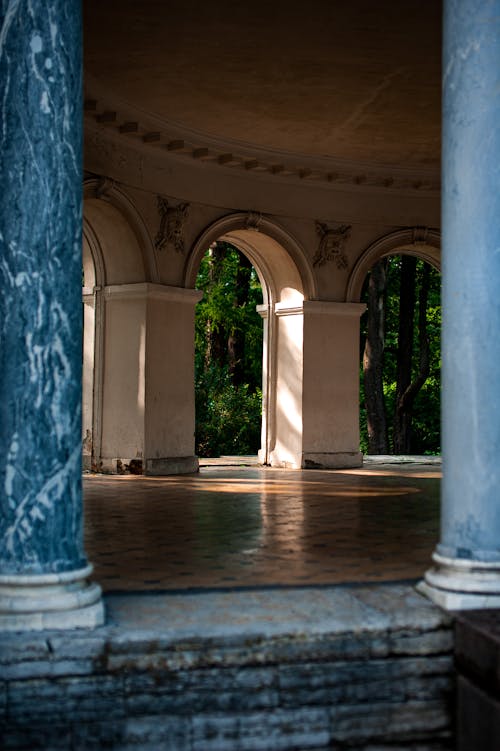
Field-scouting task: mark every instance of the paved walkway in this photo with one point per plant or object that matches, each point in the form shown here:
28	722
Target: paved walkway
232	526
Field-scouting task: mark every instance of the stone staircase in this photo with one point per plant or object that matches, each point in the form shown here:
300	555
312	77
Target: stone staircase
365	668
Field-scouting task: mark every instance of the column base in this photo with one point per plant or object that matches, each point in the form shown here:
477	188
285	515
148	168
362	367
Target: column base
262	457
50	601
288	461
461	584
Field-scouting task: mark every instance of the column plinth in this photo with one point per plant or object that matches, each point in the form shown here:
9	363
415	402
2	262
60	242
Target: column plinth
65	600
459	584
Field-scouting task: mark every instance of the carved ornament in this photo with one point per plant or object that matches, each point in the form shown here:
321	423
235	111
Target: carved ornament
420	235
331	244
104	187
253	220
172	220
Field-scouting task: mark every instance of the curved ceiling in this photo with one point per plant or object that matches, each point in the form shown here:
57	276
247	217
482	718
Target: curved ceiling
357	81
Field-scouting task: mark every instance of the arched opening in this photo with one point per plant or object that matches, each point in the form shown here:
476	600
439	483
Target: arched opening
228	354
89	430
113	261
277	259
400	357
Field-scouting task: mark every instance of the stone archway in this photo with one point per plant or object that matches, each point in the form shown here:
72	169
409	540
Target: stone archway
287	281
390	407
416	241
116	261
93	282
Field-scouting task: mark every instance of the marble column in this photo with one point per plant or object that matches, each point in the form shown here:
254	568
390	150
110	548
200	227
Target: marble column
466	572
43	569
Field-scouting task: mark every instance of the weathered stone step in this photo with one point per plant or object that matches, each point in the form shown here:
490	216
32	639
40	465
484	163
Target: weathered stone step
339	668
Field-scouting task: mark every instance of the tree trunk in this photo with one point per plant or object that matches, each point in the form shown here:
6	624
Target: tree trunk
236	339
406	391
407	398
373	357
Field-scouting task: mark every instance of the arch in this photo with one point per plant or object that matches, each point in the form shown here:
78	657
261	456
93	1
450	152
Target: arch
117	249
94	273
276	255
416	241
117	234
93	277
286	280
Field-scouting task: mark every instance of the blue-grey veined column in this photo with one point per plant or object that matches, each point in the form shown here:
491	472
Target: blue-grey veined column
467	561
43	570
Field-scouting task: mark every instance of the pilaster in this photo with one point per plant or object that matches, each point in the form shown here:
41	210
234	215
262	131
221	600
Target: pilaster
148	399
331	385
287	423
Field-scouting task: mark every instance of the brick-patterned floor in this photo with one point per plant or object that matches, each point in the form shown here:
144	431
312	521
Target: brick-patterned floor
233	526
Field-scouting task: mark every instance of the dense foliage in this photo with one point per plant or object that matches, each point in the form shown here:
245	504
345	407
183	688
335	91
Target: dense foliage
425	411
228	361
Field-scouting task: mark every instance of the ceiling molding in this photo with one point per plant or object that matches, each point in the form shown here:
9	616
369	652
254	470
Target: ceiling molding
171	139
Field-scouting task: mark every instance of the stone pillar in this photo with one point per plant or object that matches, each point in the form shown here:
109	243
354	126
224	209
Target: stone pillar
43	569
170	412
315	379
466	572
88	298
330	404
287	386
148	392
267	434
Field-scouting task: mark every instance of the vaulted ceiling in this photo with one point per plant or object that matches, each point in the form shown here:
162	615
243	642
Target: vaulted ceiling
354	80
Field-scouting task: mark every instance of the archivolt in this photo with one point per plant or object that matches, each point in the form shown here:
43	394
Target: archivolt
110	214
277	256
417	241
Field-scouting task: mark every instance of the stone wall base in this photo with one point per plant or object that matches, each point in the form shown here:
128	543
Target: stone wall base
364	669
172	465
176	465
334	460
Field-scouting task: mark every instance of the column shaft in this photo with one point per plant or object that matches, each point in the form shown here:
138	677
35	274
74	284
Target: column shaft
467	570
40	315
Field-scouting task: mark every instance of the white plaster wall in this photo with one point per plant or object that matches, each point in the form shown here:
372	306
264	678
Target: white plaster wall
287	451
88	376
170	378
124	378
331	378
319	352
119	247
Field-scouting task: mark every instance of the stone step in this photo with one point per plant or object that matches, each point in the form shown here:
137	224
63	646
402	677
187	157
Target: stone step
303	668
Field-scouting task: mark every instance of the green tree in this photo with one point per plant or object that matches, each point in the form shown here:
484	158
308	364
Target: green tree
401	347
228	362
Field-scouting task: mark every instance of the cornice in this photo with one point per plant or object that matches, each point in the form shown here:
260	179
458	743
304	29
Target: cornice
175	141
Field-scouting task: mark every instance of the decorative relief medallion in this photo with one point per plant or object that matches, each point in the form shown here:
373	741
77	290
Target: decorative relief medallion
172	219
331	244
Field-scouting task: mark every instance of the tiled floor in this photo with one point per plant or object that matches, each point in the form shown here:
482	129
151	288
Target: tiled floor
236	527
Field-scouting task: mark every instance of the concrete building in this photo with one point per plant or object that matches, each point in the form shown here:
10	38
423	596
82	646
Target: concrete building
308	137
